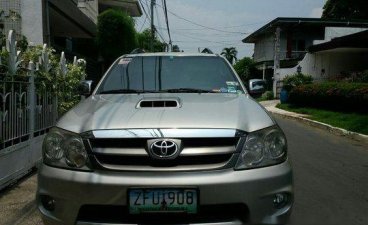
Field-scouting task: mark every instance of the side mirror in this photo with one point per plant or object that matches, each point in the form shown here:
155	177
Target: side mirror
85	88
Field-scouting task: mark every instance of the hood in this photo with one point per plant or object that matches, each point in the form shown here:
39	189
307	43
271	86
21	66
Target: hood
118	111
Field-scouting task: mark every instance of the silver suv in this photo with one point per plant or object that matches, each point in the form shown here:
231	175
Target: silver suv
166	138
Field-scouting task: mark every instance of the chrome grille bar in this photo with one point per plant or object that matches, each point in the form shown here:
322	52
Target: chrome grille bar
161	133
186	151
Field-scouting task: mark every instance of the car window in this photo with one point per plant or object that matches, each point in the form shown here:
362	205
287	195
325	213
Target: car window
259	83
151	73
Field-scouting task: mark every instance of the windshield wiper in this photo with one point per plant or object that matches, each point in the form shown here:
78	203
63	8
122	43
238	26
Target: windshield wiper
126	91
186	90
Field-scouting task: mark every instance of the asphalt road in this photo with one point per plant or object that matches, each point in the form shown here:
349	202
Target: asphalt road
330	177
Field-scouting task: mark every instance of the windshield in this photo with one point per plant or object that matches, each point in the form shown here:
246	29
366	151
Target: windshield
259	84
170	74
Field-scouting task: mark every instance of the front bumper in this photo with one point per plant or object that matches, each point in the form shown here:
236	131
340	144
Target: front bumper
254	189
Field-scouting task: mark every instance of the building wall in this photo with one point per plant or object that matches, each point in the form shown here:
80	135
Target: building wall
32	21
10	16
89	8
334	32
329	64
264	48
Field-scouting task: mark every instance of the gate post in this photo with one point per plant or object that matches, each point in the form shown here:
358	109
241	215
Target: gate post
31	99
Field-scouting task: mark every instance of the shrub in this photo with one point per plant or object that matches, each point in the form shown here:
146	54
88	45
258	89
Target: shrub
68	91
291	81
351	97
363	77
64	87
268	95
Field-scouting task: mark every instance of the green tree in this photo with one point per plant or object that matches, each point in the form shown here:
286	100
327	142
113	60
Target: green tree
246	68
175	48
230	54
345	9
144	42
116	34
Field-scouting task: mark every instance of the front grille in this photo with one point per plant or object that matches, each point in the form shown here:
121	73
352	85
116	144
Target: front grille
131	154
148	161
209	214
142	142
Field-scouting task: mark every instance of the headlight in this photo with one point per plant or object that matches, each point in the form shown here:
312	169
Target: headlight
65	149
263	148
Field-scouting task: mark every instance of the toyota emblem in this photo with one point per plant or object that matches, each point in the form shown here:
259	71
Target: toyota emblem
164	149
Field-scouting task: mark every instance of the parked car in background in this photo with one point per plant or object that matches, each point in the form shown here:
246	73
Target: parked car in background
257	87
166	138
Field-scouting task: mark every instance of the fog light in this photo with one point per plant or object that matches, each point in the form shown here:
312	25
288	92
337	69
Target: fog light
48	202
280	200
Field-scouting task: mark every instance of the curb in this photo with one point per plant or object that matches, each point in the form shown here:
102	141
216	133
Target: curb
334	130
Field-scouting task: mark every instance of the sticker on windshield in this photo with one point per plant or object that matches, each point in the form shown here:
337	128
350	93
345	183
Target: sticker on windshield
231	89
232	86
125	61
232	83
223	90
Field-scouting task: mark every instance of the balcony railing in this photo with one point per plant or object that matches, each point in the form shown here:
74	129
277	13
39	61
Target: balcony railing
292	55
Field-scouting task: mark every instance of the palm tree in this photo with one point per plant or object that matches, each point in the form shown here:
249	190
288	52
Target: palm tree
230	54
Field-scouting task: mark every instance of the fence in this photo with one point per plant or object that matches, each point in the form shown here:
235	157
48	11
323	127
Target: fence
28	108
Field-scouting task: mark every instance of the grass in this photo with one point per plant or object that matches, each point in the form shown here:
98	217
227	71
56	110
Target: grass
349	121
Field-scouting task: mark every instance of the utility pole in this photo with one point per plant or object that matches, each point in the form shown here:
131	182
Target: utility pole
276	64
153	29
170	48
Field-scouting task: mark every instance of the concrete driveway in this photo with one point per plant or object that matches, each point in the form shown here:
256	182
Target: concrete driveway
17	203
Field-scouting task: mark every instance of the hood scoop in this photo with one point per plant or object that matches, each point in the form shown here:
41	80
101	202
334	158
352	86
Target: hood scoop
158	103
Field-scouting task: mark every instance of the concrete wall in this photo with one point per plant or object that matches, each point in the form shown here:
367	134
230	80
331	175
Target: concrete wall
32	21
335	32
18	160
264	48
332	63
11	21
89	8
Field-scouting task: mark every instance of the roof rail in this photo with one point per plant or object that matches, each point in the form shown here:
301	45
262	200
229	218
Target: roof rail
137	51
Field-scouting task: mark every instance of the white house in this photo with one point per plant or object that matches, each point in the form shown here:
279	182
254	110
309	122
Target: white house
291	43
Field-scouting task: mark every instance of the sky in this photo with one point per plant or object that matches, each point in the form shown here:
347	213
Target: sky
217	24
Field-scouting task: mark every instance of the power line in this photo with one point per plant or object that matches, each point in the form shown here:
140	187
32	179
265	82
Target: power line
157	19
162	38
153	29
200	41
144	23
167	21
208	34
144	9
195	38
158	23
244	25
145	12
200	25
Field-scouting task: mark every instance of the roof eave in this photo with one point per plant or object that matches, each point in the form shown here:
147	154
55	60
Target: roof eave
283	20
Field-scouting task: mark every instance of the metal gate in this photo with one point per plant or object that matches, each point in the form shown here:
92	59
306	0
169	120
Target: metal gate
26	115
28	109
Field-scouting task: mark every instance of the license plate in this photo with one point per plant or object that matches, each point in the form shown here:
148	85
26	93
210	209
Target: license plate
162	200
